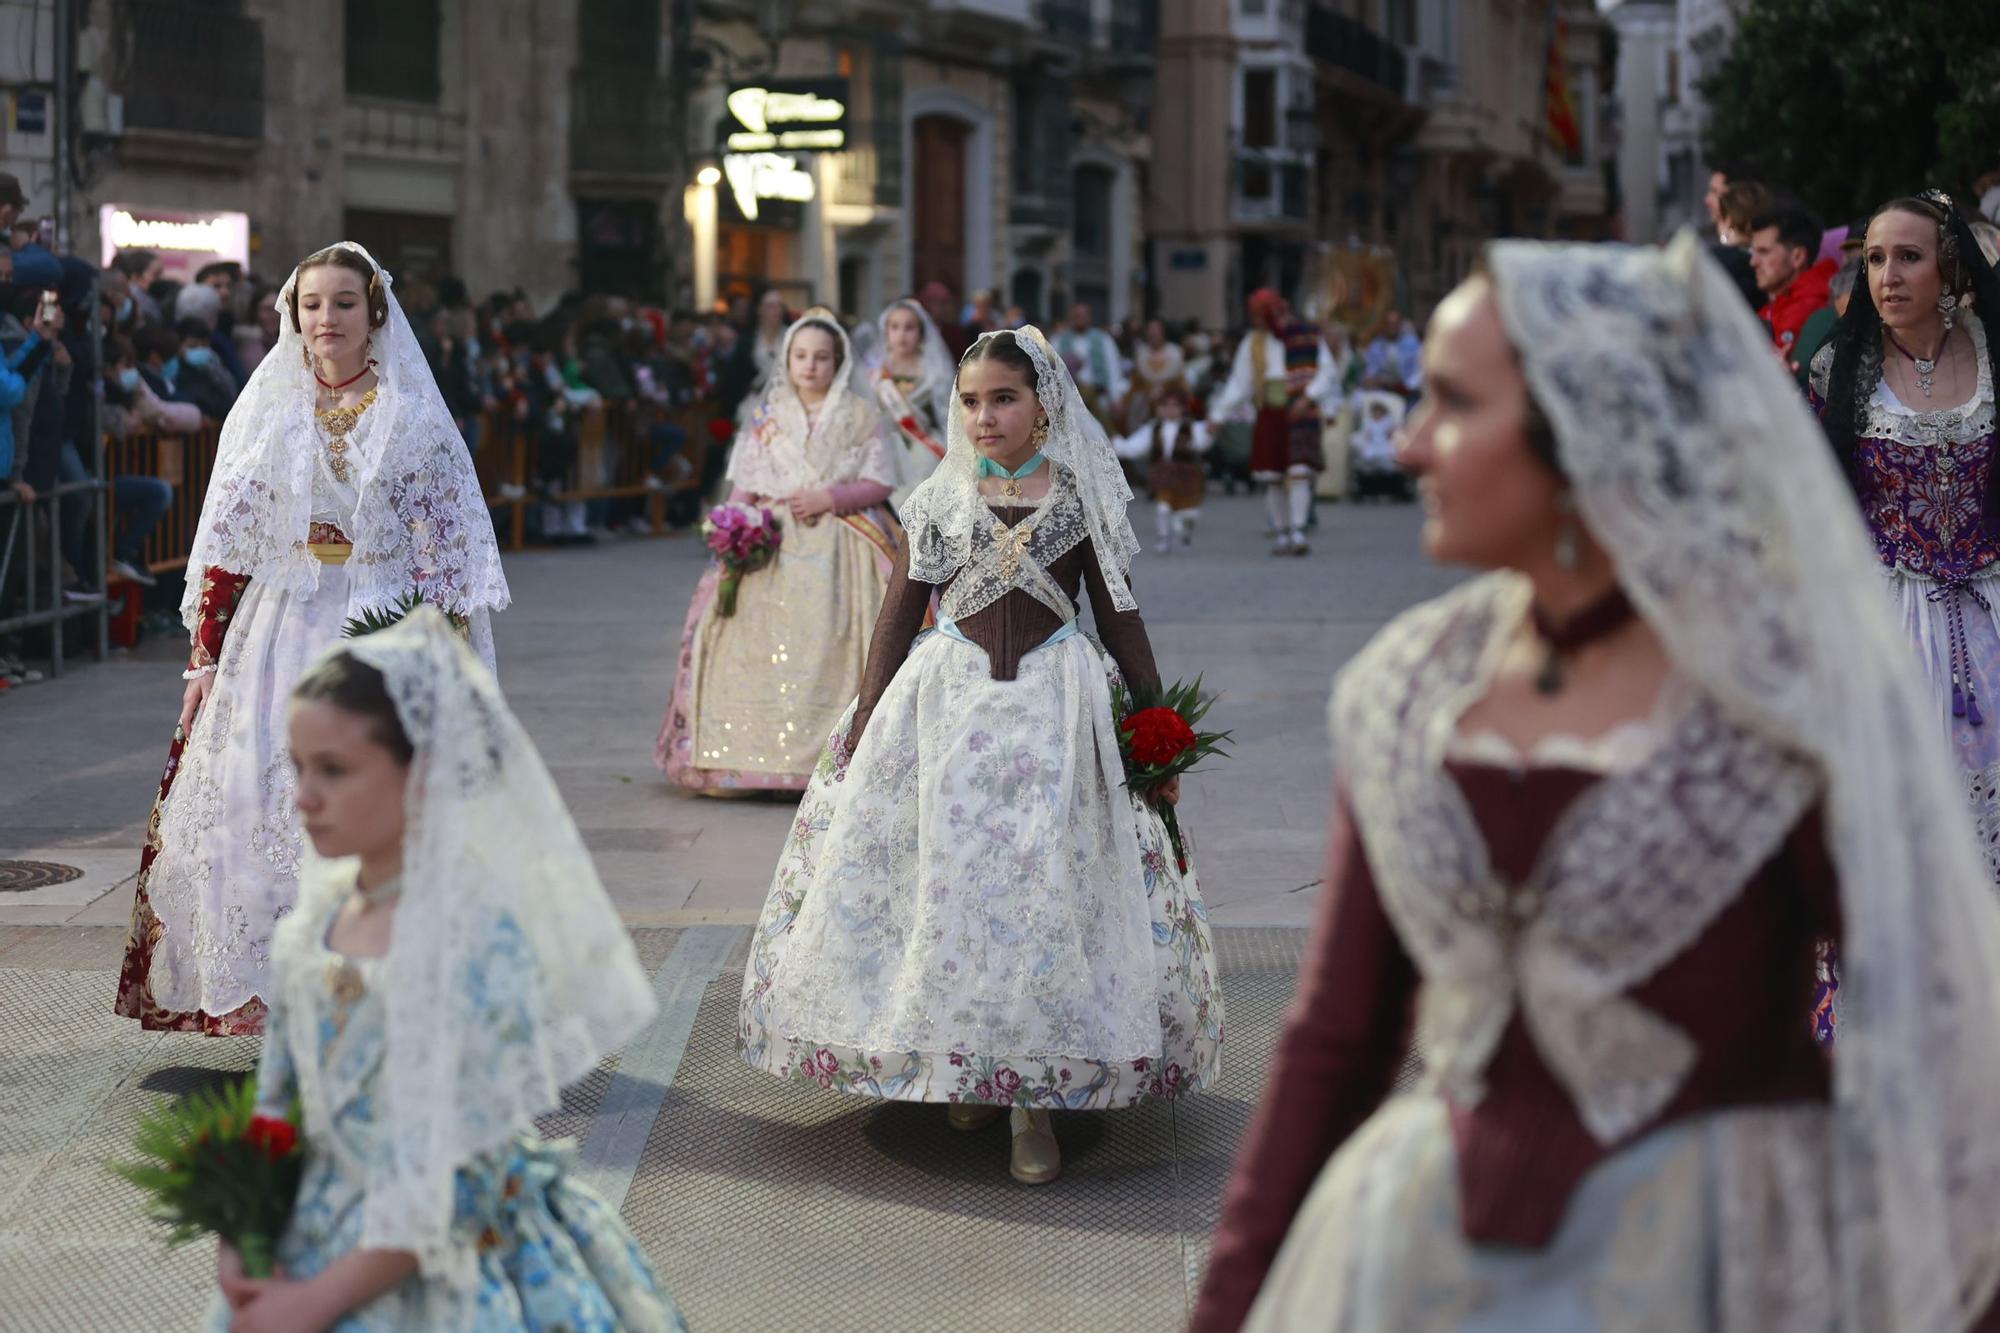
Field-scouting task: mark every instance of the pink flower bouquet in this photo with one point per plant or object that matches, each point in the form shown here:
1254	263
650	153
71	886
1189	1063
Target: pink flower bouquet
742	539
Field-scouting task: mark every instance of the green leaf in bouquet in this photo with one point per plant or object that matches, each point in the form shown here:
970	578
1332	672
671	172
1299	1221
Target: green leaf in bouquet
374	619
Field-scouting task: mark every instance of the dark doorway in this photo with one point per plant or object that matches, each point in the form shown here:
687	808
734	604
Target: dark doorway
938	203
409	245
618	248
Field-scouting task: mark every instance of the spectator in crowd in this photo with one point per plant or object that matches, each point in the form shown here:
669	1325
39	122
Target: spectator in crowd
1393	362
1742	204
1094	362
25	348
1016	317
1720	177
452	367
203	307
936	299
34	266
141	269
159	352
980	316
1820	325
258	333
1782	246
131	407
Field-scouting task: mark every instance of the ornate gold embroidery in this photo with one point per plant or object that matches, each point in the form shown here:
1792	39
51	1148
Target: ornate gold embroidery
1012	544
339	423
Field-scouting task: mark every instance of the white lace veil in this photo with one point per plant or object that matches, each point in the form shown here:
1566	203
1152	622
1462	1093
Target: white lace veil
783	450
935	370
509	975
942	514
1696	464
421	520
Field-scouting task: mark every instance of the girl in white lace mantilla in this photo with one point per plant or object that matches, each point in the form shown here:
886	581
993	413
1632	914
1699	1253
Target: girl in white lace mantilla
757	693
908	369
340	487
971	909
1596	808
452	965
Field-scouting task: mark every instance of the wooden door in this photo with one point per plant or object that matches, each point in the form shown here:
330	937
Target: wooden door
937	192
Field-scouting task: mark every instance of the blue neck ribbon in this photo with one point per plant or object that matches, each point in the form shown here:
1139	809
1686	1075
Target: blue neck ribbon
989	468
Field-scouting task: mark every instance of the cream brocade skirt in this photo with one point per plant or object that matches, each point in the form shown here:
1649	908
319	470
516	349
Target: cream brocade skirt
759	692
1719	1222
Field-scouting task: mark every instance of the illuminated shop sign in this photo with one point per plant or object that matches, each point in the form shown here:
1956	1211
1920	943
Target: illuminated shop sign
184	241
787	115
757	176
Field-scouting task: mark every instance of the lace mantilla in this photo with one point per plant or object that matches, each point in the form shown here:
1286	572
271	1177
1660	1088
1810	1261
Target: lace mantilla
420	517
501	914
1698	468
1632	875
1007	559
787	448
947	514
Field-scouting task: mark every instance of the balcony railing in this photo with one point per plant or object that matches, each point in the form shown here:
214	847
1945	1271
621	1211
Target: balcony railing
852	174
1339	41
621	122
186	69
405	129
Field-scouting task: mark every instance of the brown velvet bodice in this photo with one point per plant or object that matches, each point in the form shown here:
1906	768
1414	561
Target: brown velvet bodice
1013	626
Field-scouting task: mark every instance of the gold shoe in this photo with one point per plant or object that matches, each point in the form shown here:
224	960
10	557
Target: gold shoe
970	1115
1036	1158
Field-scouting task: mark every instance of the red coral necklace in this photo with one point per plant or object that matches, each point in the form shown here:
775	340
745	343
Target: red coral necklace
336	388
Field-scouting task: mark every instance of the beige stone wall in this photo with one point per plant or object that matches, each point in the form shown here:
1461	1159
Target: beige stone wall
1187	208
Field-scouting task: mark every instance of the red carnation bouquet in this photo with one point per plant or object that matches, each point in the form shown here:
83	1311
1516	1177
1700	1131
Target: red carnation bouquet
213	1166
1158	741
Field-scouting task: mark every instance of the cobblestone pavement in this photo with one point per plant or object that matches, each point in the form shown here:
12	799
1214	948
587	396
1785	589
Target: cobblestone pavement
849	1214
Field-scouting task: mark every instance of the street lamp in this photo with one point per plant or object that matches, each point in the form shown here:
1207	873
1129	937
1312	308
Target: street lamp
708	176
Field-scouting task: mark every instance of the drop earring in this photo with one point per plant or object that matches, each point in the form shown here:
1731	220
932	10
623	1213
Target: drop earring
1040	435
1948	303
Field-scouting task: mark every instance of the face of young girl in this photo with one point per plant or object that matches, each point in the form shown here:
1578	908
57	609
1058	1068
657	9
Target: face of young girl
905	332
812	361
350	785
333	311
1000	409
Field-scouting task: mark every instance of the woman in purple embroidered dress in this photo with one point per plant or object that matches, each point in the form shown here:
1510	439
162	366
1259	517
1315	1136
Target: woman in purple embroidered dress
1905	391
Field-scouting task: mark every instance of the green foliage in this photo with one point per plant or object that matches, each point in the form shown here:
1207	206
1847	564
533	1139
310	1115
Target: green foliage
1850	103
205	1175
370	621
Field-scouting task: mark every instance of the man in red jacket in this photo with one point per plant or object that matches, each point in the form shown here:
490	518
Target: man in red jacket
1782	246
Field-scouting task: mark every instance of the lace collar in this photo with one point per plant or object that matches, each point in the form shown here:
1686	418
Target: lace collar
1631	875
1888	417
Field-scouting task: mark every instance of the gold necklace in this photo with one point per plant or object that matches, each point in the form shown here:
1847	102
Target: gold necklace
339	423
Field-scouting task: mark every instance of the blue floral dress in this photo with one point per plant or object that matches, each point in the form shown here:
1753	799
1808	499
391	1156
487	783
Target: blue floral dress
550	1254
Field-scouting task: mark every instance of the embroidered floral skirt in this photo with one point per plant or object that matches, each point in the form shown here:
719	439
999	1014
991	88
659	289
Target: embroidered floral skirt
221	863
975	910
1720	1222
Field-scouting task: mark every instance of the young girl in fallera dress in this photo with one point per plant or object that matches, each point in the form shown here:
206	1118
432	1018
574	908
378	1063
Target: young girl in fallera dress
756	693
972	909
452	964
910	373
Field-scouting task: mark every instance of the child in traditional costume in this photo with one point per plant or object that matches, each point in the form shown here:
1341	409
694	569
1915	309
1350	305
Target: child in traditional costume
1171	447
